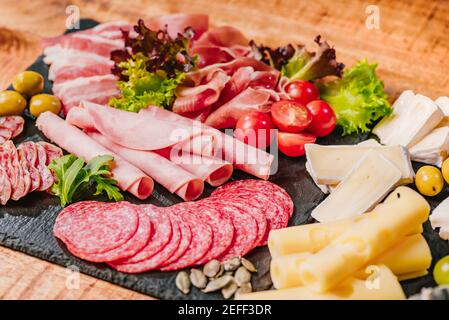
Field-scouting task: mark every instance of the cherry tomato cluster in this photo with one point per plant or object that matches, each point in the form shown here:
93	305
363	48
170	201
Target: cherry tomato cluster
299	121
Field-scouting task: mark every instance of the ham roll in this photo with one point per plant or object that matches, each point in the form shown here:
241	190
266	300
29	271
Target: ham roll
75	141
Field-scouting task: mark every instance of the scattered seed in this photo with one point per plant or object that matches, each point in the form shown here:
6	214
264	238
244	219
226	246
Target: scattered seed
245	288
229	290
242	276
183	282
212	268
232	264
198	279
229	273
248	265
218	284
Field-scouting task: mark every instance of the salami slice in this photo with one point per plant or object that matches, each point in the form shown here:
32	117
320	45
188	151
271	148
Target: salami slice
138	241
30	150
5	187
186	239
52	152
222	227
10	127
6	164
25	173
161	236
245	228
18	187
157	259
202	238
95	227
45	173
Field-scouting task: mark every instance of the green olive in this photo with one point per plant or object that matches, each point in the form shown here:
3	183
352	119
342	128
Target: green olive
11	103
28	83
44	102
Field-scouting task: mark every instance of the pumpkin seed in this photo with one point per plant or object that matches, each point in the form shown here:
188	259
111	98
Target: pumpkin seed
218	284
248	265
229	290
198	279
220	272
232	264
183	282
245	288
242	276
212	268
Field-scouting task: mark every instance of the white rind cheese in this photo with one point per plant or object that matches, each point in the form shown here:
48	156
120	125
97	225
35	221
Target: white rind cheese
440	219
432	149
413	117
363	188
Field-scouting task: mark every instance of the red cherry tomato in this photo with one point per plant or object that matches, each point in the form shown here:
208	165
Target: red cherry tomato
254	128
302	91
292	144
290	116
324	119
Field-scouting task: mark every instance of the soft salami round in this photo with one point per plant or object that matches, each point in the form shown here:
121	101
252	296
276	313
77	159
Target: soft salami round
95	227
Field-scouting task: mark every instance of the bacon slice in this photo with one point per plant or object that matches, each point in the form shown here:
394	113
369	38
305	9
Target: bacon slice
75	141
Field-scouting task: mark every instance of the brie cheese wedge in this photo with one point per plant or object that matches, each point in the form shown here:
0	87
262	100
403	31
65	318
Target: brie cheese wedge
363	188
443	104
440	219
413	117
432	149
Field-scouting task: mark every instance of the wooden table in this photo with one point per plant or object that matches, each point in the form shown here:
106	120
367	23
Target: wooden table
411	45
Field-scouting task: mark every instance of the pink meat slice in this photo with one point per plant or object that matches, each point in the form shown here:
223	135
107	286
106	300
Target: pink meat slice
91	43
162	235
26	175
168	174
177	23
30	150
5	187
18	182
85	86
46	177
157	259
6	163
202	238
12	124
73	140
53	152
72	72
78	58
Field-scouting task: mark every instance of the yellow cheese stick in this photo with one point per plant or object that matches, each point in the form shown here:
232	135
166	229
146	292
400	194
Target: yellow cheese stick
366	240
311	237
380	285
410	256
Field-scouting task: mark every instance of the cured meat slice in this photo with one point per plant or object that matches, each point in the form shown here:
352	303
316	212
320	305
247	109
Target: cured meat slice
185	240
84	86
5	187
128	249
7	164
202	238
157	259
228	114
222	228
78	58
95	227
30	151
53	152
10	127
245	230
212	170
172	177
26	176
177	23
90	43
18	181
161	236
72	72
45	174
75	141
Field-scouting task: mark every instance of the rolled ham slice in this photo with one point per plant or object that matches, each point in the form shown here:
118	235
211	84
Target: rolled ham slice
75	141
168	129
169	175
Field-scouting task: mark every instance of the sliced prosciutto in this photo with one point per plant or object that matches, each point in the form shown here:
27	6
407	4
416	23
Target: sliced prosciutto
177	23
168	174
75	141
71	72
168	129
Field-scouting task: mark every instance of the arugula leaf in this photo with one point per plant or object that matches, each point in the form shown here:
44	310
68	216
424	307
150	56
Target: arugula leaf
358	98
72	175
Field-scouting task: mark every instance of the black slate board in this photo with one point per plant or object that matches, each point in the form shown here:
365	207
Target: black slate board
27	225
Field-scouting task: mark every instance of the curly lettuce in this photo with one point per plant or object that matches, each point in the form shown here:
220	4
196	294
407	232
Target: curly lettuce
358	98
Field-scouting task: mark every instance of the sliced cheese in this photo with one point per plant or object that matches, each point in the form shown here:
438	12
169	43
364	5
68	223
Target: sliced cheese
323	187
443	103
413	275
330	164
369	143
440	219
381	284
409	257
364	187
367	239
311	237
432	149
413	117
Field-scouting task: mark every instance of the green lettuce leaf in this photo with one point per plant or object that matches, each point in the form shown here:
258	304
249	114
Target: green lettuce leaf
358	98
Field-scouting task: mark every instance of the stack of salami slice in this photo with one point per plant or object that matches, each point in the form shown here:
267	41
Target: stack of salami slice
24	169
235	219
10	127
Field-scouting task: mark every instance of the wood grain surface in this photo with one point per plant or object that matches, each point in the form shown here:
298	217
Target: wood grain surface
411	46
